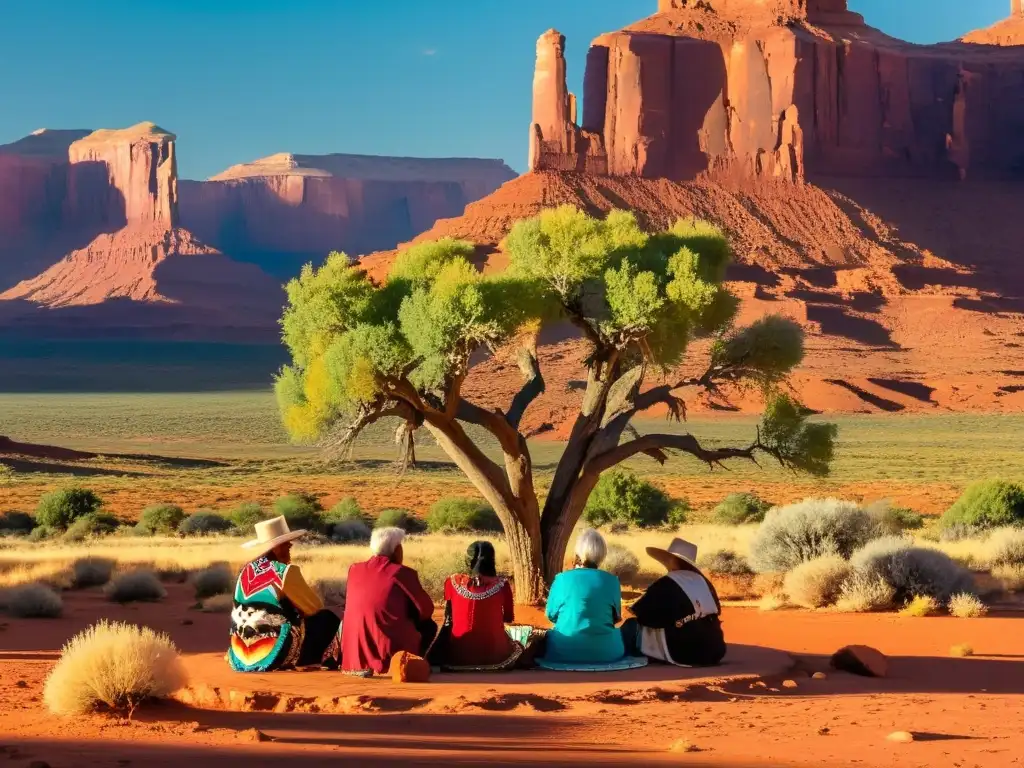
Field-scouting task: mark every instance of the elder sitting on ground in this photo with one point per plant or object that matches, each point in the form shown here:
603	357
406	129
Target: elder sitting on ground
678	617
277	621
386	608
585	604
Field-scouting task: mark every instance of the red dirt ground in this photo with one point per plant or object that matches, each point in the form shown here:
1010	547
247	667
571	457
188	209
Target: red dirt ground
963	712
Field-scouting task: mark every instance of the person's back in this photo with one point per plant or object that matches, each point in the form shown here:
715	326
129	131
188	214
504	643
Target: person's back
584	604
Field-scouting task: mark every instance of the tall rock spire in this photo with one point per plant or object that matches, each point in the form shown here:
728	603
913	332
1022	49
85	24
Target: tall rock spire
553	125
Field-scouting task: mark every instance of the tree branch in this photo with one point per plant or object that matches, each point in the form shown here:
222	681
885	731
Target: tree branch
494	422
685	443
531	390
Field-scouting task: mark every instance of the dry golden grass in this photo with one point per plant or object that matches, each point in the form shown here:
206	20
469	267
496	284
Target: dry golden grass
773	601
966	606
113	665
921	606
816	583
961	651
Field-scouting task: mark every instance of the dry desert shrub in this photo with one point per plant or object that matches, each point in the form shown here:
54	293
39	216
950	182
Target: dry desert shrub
911	570
218	604
863	593
921	606
961	651
217	579
113	665
621	563
966	606
724	563
91	572
809	529
817	583
773	601
1010	577
34	601
1005	547
135	586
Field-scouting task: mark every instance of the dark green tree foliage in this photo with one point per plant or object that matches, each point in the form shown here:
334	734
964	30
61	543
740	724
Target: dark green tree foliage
301	510
204	523
245	516
363	351
160	519
59	509
91	525
622	497
399	518
740	508
987	504
346	510
462	516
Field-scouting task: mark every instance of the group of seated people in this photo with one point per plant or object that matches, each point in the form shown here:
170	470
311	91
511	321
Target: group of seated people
279	622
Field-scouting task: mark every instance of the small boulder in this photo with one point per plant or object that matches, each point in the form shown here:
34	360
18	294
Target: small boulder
409	668
861	660
818	676
789	684
900	737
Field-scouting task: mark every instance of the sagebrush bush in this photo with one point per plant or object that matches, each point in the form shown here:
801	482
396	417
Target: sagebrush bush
912	570
400	518
216	579
350	532
245	516
966	606
1010	577
621	562
160	519
622	497
113	665
1005	547
91	572
806	530
42	533
135	586
204	523
987	504
34	601
772	601
724	562
301	510
92	525
817	583
921	606
16	523
740	508
892	521
59	509
457	515
863	593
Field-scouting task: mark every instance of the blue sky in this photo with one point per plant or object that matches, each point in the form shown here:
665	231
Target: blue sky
240	79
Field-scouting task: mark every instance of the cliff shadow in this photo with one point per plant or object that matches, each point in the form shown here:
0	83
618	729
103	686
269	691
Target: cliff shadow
699	90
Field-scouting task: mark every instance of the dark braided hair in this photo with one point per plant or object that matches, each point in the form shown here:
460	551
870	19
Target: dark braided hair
480	559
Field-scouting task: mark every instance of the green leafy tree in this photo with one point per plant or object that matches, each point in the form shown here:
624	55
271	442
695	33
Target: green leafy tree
363	351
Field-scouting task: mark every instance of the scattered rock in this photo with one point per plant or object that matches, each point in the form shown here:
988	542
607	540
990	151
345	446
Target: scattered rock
409	668
254	734
818	676
861	660
21	684
789	684
682	745
824	731
187	622
900	737
759	684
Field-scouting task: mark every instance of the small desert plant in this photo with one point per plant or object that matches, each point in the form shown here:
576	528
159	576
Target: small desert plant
454	515
350	532
724	562
961	651
399	518
160	519
113	665
808	529
911	570
987	504
135	586
621	562
16	523
245	516
92	525
959	532
216	579
966	606
892	521
862	593
1011	577
218	604
301	510
345	510
1005	547
34	601
773	601
921	606
622	497
59	509
817	583
204	523
91	572
740	508
42	533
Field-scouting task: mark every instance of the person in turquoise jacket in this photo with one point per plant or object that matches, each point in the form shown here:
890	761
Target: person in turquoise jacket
584	606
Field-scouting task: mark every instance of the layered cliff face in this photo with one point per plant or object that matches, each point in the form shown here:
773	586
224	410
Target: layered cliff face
779	88
1009	31
287	209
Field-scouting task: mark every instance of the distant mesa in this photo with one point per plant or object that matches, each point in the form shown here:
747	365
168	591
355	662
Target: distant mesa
1008	32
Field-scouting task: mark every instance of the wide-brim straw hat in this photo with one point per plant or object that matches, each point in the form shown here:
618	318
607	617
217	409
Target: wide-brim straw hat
272	533
680	554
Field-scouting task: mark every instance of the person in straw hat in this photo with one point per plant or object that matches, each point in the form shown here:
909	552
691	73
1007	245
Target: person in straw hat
277	621
678	618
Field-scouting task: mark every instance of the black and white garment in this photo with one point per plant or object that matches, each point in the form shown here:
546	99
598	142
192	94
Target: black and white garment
678	621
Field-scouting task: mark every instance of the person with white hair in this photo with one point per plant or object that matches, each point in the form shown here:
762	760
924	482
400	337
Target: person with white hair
386	608
584	606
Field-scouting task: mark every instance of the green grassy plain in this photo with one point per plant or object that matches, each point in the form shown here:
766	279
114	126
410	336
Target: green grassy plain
214	449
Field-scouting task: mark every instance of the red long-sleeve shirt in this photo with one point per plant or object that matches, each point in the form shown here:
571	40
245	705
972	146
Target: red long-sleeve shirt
383	603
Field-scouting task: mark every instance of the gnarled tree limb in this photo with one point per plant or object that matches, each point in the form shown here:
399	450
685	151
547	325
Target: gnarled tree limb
685	443
531	390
